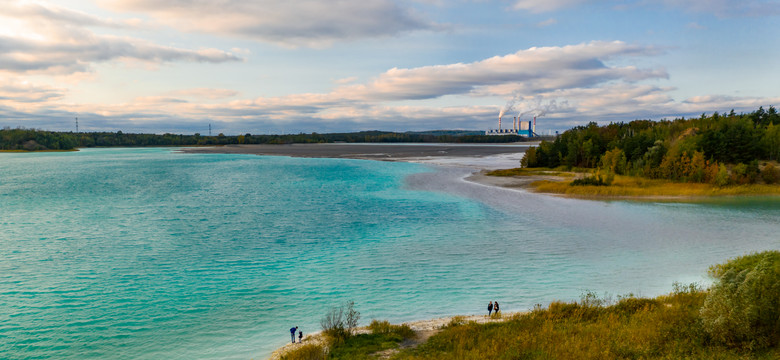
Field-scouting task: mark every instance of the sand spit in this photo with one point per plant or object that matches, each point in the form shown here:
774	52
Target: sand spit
372	151
424	329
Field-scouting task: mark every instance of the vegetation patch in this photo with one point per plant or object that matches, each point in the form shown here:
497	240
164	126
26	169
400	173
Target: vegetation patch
720	150
637	187
737	318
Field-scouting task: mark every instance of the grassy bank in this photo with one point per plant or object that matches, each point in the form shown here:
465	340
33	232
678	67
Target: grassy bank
630	186
738	317
667	327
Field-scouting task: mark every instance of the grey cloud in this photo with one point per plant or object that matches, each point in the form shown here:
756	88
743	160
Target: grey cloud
290	23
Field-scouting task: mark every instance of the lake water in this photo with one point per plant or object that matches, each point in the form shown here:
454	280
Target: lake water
154	254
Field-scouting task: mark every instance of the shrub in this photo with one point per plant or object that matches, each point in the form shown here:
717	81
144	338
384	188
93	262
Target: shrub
380	327
722	177
595	180
743	306
340	322
770	174
352	316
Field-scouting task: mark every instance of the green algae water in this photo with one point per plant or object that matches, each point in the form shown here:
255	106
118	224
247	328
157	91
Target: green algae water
154	254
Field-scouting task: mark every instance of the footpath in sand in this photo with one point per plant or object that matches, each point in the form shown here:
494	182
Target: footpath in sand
423	329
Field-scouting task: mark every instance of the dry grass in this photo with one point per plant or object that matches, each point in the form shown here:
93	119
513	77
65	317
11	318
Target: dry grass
531	172
667	327
627	186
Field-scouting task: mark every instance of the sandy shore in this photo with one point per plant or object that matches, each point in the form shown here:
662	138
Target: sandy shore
423	328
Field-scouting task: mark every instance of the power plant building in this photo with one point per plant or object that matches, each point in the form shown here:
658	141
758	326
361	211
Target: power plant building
521	128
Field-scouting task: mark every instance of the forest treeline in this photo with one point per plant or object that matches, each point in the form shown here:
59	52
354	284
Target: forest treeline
720	149
36	140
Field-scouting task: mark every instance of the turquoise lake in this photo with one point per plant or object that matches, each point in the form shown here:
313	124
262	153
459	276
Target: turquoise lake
155	254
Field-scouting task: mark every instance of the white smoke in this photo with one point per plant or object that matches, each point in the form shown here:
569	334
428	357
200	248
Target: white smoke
509	107
538	107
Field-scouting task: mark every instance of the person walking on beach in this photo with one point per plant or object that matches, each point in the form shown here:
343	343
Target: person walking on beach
292	333
300	336
495	308
490	308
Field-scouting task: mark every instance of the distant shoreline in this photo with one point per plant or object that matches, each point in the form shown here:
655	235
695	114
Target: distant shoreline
369	151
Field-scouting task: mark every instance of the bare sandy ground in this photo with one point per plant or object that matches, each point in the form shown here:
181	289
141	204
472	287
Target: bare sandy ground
423	328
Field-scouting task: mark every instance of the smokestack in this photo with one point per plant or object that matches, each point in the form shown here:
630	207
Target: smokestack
499	123
534	124
514	126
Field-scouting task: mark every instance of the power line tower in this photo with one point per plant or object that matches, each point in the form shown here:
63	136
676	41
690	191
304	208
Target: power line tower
209	129
77	124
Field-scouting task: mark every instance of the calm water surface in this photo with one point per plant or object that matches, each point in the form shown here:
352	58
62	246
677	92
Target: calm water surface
152	254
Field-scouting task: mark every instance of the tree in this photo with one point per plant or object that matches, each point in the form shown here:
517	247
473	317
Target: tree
770	142
529	159
614	161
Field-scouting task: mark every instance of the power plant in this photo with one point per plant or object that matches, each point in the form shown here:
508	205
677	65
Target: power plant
519	127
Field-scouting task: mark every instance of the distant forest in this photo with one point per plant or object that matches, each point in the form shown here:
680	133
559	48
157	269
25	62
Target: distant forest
37	140
721	149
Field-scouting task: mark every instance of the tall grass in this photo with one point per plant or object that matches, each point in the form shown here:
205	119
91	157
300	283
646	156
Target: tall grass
667	327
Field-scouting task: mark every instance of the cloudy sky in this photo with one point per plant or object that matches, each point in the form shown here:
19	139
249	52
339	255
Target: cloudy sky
268	66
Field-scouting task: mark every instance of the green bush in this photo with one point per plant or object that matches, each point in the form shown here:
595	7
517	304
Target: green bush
743	306
596	180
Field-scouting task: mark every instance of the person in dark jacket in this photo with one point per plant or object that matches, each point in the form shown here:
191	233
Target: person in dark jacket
300	336
495	308
292	333
490	308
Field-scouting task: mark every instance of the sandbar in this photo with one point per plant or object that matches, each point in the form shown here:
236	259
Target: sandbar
370	151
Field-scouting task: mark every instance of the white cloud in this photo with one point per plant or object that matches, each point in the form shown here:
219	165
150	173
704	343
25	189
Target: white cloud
580	74
527	71
312	23
48	39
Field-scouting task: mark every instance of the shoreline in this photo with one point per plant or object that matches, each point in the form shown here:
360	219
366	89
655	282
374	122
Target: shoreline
404	152
424	329
478	158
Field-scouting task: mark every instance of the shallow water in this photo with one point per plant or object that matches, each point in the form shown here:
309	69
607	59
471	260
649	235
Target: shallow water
149	253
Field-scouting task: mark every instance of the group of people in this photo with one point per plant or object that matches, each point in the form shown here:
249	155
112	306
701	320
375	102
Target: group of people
292	334
493	307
